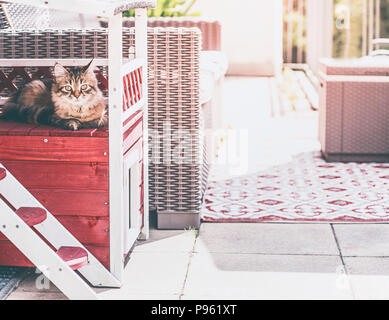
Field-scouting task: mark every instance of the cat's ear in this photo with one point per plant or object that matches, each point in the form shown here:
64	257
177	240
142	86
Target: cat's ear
60	71
90	67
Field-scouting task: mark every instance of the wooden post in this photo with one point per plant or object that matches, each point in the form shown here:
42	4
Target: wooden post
300	32
364	28
371	25
319	31
141	52
377	19
289	32
116	167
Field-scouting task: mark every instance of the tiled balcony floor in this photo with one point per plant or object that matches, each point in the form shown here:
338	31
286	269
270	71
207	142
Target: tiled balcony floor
254	260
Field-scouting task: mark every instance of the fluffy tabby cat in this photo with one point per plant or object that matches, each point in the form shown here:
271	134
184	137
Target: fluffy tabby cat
72	100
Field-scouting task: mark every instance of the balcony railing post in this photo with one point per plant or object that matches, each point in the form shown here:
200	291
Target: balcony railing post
319	31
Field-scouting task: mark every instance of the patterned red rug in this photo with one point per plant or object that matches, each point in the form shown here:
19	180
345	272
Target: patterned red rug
307	189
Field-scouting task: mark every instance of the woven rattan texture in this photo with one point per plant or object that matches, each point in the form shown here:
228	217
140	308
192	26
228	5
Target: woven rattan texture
22	16
58	44
353	113
4	22
366	118
176	168
211	30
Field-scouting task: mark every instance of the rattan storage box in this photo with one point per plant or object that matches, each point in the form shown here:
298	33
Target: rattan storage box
354	109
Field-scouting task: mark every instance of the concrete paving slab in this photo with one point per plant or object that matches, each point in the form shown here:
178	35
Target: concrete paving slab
37	283
168	241
151	274
253	276
266	238
369	277
363	239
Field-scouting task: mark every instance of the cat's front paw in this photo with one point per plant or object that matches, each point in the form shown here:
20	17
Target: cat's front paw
73	125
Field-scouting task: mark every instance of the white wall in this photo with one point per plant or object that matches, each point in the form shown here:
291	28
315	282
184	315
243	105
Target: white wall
252	33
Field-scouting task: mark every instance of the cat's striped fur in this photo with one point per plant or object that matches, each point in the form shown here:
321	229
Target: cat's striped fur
72	100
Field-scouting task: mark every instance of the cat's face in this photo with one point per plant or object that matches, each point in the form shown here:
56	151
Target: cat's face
75	87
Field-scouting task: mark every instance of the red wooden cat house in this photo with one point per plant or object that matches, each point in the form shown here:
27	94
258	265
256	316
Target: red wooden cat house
77	200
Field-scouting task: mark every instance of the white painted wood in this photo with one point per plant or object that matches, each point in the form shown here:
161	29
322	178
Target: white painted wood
132	223
381	52
126	69
381	41
52	230
364	28
377	18
141	53
41	255
371	25
319	31
339	78
132	110
116	196
132	65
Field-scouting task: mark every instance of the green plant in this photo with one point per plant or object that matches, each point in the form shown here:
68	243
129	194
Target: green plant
169	8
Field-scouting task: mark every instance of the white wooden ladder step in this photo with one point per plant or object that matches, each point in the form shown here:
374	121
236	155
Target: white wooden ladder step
57	265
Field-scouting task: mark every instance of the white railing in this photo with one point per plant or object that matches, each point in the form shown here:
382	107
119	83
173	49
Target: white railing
294	31
309	27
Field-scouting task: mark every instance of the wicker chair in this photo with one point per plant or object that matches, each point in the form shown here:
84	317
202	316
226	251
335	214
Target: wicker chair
211	30
176	187
176	190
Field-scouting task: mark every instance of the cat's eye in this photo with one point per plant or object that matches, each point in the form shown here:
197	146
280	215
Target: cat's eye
84	87
68	88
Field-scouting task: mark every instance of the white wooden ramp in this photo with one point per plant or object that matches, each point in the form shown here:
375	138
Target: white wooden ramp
58	265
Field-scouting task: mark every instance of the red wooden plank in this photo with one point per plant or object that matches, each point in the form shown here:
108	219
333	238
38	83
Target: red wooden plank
88	230
5	126
141	195
21	129
73	203
100	132
40	131
133	118
58	132
3	173
140	80
132	135
137	83
126	94
32	216
25	129
75	257
11	256
134	88
68	149
69	133
141	167
60	175
138	145
132	94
